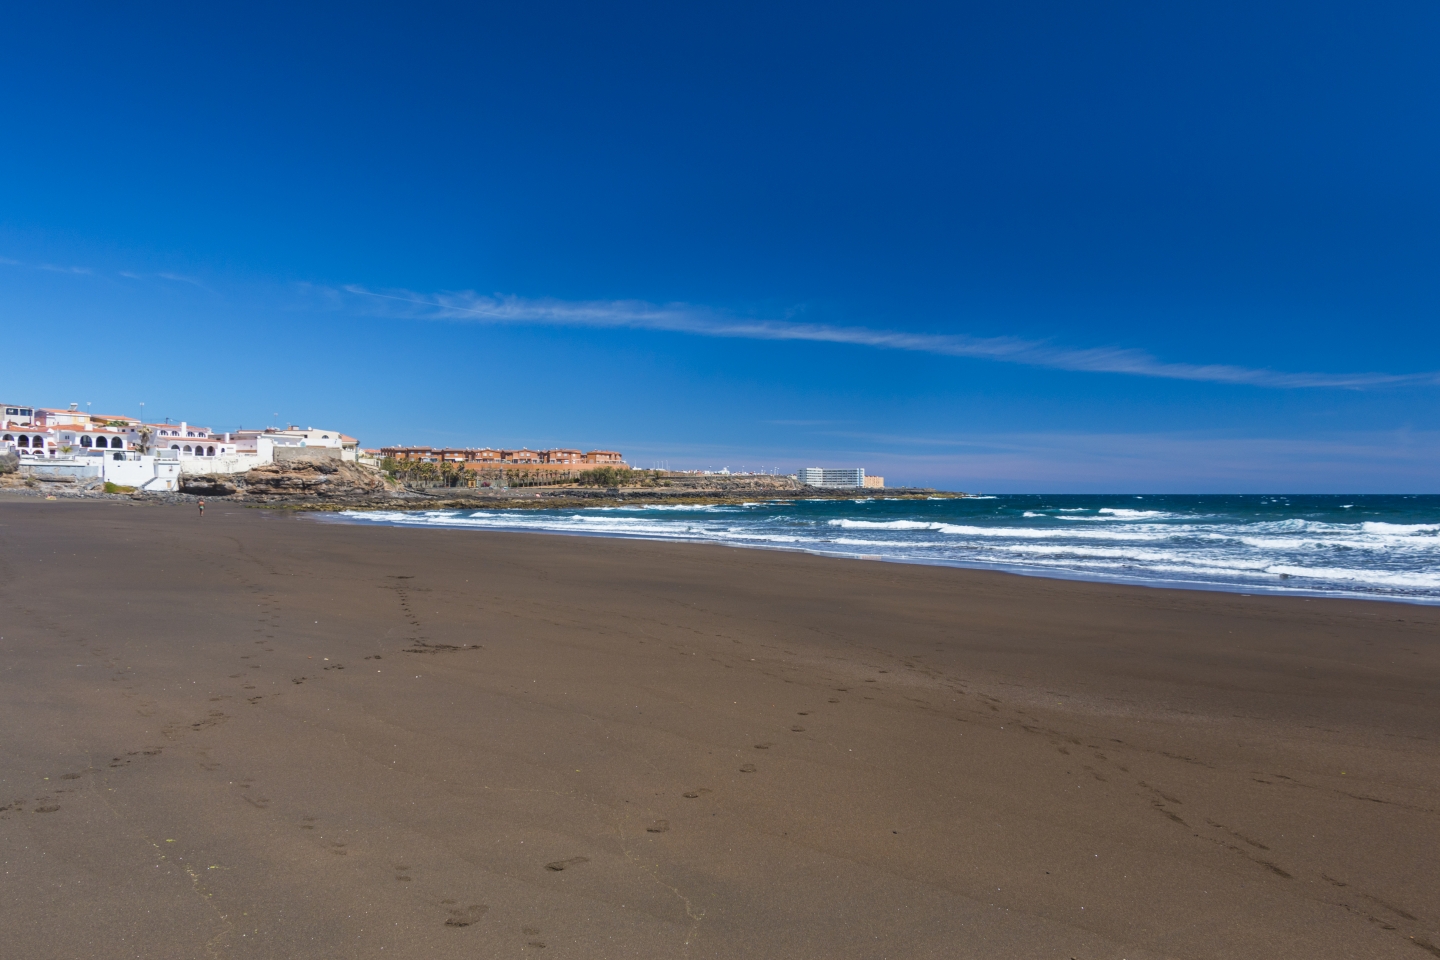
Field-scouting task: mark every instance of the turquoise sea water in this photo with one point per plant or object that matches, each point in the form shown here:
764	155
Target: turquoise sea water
1383	547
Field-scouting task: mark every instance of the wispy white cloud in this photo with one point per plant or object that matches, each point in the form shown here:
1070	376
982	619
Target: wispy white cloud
177	278
47	267
87	271
470	307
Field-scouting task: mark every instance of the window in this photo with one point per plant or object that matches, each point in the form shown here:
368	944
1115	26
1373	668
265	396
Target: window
12	411
210	452
24	441
8	438
117	444
84	441
187	448
175	447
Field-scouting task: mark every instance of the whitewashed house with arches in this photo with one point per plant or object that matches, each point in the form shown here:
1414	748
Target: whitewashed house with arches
185	441
26	441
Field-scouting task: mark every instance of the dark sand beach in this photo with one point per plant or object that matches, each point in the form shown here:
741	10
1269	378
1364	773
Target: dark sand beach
259	734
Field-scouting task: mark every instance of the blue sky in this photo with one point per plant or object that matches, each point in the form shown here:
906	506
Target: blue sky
1015	247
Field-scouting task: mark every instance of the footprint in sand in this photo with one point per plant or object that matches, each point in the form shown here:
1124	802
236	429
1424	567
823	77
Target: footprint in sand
764	746
798	729
659	826
46	809
747	768
463	917
558	865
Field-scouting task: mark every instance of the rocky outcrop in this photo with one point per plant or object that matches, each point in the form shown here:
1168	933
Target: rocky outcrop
299	481
9	462
210	485
328	479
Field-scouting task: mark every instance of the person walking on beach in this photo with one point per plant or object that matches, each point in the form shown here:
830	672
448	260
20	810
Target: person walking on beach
202	508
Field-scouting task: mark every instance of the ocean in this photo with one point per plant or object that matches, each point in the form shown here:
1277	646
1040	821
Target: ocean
1379	547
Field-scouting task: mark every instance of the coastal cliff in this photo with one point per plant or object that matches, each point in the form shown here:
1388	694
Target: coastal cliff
327	484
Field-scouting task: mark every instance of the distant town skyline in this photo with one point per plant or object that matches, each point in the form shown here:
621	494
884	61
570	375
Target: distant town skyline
1118	248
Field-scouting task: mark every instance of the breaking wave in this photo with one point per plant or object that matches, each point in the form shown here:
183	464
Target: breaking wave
1382	547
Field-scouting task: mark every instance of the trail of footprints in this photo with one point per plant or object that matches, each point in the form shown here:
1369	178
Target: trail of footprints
461	916
418	642
993	710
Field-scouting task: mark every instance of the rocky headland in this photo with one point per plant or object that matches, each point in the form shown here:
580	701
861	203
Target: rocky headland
325	484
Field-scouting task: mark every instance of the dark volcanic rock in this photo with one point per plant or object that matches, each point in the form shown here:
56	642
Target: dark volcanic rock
210	485
330	479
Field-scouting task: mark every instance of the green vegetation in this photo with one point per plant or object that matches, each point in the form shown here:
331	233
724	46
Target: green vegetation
620	477
421	473
117	488
605	477
438	474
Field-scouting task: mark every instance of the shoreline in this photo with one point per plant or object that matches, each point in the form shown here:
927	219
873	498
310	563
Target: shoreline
337	516
519	498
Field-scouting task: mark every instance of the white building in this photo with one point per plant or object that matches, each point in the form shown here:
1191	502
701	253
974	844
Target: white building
29	441
82	439
70	434
160	474
263	443
824	477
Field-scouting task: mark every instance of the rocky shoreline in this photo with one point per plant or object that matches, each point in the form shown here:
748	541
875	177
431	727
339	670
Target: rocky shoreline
331	485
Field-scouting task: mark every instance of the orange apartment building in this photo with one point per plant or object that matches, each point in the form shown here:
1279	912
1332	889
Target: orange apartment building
489	458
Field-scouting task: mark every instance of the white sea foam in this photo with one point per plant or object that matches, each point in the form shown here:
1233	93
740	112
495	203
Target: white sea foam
1124	514
1388	578
885	524
1401	529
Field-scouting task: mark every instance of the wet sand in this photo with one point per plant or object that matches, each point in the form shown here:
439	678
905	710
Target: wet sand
266	735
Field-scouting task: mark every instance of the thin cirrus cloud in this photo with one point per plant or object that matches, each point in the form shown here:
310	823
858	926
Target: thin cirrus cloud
47	267
470	307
